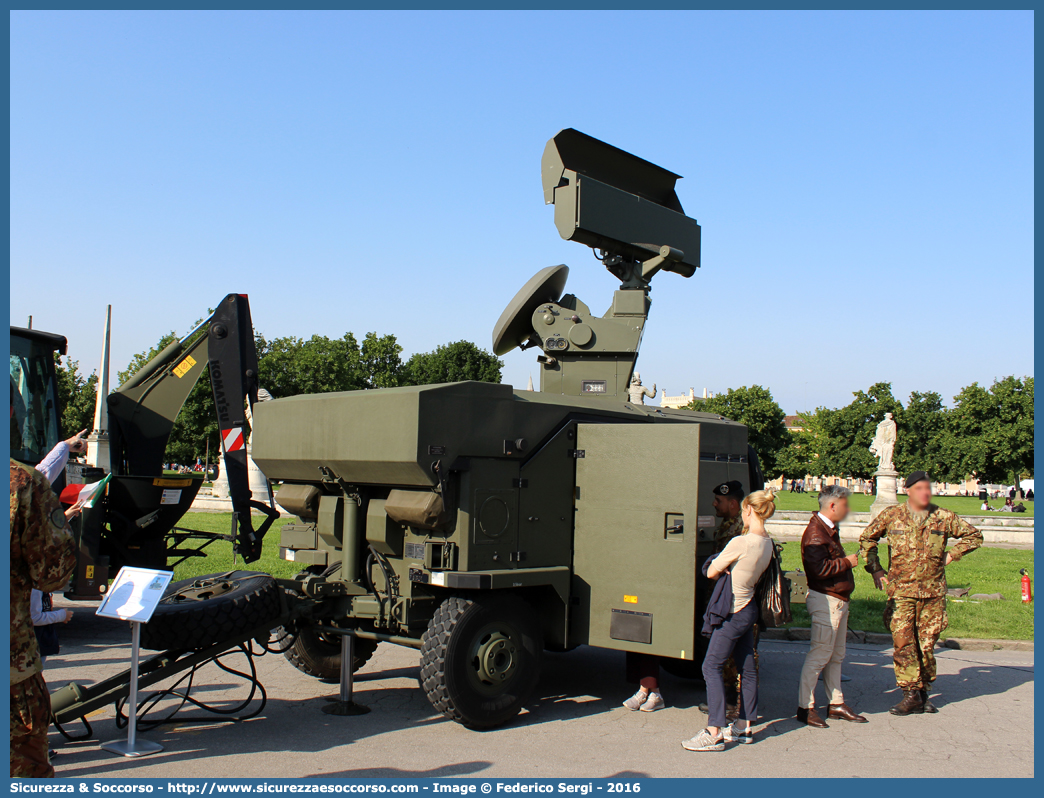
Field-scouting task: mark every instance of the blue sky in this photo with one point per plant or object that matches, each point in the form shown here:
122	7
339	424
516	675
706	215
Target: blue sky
864	182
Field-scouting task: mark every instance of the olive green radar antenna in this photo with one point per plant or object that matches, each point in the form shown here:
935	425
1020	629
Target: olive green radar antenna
627	211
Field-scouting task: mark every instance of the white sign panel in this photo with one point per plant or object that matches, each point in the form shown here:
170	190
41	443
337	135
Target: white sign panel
135	594
170	497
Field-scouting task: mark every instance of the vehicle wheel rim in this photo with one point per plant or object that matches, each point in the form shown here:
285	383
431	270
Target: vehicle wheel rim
495	659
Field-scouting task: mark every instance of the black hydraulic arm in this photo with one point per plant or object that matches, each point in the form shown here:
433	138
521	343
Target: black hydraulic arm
233	375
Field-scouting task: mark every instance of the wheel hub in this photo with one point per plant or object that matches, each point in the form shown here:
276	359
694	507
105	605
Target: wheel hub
497	658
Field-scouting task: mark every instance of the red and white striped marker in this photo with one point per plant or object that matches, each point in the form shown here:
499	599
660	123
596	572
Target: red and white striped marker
233	439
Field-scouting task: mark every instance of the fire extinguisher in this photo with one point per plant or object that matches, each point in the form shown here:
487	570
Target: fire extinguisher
1027	587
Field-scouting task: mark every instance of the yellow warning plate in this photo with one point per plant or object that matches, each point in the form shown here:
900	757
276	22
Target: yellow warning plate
184	367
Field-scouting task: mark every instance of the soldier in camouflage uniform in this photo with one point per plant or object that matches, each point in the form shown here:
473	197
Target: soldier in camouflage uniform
43	556
727	498
916	582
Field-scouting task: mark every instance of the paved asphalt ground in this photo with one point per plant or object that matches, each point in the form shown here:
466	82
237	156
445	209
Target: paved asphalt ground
573	727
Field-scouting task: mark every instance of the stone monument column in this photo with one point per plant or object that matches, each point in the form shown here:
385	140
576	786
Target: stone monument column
887	482
219	487
886	478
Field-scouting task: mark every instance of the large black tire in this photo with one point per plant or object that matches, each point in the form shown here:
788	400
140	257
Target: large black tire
196	613
319	654
480	659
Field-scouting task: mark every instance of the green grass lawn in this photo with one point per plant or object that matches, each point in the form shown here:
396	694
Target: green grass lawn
860	503
219	553
983	571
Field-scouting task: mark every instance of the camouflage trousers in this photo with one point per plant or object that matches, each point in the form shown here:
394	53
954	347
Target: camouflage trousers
915	625
731	675
30	717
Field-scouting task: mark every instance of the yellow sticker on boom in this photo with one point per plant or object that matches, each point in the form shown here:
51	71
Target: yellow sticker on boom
630	599
184	367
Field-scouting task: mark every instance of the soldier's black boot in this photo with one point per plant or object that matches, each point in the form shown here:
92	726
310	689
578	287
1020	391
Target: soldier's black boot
912	704
929	707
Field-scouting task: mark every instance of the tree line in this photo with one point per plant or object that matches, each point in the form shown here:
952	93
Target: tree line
987	433
287	366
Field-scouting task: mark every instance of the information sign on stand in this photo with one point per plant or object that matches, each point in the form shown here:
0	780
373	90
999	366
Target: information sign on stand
133	597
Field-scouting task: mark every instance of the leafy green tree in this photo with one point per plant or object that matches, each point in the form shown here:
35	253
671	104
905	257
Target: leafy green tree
77	396
291	366
454	362
845	433
799	457
754	407
380	360
991	431
142	358
922	429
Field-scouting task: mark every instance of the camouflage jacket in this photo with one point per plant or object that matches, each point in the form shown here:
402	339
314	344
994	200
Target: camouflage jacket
917	553
43	556
726	531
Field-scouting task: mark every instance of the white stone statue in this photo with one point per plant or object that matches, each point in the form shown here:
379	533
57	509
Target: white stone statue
262	396
637	392
884	443
259	487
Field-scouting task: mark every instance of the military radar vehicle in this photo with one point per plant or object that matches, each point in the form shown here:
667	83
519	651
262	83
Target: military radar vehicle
482	524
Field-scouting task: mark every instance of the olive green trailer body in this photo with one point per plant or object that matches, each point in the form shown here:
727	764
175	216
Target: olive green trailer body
594	512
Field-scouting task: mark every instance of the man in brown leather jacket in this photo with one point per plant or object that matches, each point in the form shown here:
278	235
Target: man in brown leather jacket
830	585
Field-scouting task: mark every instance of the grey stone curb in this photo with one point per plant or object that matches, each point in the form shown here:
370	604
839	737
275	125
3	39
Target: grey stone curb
876	638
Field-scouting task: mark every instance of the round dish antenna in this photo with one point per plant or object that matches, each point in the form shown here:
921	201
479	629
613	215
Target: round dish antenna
515	325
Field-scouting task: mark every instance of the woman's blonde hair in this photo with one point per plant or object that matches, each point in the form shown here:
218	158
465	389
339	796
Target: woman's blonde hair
762	502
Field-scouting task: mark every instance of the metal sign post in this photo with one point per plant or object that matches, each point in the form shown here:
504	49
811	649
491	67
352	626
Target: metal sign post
133	746
344	705
133	597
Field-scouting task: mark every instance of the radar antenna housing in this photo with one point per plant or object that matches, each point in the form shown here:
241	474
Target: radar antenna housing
626	209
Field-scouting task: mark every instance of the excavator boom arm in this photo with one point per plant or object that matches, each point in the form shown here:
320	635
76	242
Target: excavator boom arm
143	410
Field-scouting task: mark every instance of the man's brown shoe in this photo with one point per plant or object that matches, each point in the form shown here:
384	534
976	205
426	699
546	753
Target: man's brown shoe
811	718
845	712
929	707
912	704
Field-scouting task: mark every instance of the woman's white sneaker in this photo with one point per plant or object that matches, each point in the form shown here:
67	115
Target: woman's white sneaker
734	734
634	703
652	703
703	741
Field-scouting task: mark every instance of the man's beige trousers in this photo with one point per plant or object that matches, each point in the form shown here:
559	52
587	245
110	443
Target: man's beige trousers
827	651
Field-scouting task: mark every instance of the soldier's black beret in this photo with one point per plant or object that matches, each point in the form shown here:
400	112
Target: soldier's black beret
732	489
915	477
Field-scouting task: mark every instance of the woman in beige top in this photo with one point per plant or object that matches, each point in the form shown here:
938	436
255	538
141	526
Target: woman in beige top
746	557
